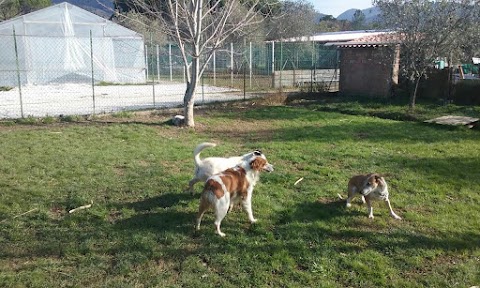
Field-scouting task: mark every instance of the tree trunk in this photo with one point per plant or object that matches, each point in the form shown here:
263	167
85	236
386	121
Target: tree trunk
413	96
188	103
188	99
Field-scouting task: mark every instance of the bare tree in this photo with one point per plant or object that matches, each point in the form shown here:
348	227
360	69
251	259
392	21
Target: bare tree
295	18
142	24
427	30
199	27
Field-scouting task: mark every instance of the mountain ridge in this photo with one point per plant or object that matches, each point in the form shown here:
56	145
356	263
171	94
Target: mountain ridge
371	14
105	8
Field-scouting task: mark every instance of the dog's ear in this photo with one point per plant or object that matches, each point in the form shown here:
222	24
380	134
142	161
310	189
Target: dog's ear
257	163
378	178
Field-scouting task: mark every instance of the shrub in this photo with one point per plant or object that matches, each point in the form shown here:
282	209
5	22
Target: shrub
5	88
123	114
466	92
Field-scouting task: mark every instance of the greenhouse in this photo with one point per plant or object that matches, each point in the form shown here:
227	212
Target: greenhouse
66	44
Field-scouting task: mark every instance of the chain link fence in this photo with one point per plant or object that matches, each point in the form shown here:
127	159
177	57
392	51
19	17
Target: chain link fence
90	75
254	67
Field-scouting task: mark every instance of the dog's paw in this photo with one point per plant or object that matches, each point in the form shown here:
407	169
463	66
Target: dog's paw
397	217
348	205
253	220
221	234
370	216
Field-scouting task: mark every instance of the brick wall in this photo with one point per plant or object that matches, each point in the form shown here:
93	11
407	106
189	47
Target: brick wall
368	70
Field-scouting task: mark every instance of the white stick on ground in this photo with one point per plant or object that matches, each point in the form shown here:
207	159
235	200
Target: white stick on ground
19	215
81	207
298	181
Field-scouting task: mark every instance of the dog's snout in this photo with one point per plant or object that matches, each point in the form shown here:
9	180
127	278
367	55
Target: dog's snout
268	168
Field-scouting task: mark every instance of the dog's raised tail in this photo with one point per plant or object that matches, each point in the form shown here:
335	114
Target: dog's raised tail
198	149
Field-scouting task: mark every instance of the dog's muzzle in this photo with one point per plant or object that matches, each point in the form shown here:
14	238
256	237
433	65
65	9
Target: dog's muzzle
268	168
365	192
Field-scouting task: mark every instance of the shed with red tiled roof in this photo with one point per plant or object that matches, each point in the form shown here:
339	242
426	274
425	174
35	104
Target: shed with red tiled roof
369	65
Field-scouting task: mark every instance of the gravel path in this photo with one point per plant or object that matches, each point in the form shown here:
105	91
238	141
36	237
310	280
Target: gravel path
77	99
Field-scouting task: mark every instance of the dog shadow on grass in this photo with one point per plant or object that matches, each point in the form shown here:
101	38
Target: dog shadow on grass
330	219
165	212
165	200
324	209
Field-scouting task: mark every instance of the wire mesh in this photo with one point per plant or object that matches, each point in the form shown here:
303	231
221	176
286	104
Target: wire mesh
71	75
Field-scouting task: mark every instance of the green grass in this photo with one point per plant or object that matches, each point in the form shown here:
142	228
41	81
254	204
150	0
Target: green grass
395	109
139	230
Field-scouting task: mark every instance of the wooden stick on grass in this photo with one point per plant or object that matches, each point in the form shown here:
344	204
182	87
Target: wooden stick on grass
81	207
298	181
19	215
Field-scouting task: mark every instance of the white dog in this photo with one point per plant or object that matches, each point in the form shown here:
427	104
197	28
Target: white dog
205	168
232	186
370	186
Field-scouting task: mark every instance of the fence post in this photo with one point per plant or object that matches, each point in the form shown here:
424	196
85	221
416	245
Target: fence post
282	66
231	64
203	91
273	64
244	80
153	77
158	63
18	72
312	67
146	62
250	64
214	68
170	61
93	78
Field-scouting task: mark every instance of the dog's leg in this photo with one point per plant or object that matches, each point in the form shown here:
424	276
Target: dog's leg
247	206
391	210
232	205
351	194
369	207
204	205
220	212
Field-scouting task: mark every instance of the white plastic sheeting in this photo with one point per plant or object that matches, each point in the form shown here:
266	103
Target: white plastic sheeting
55	44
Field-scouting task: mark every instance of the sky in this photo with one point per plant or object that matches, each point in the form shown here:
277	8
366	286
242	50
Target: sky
337	7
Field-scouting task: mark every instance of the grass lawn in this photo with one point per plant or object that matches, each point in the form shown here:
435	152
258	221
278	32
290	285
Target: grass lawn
139	229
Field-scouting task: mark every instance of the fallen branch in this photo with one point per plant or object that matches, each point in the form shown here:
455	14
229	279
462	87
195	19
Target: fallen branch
19	215
298	181
81	207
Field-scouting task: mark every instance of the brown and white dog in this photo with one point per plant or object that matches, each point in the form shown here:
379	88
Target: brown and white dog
231	186
207	167
370	186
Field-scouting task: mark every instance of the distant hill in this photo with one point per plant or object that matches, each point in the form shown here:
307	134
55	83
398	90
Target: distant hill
371	14
103	8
